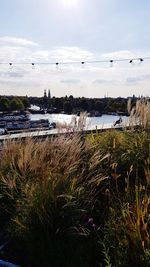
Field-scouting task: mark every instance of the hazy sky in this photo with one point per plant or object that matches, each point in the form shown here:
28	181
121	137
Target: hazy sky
74	30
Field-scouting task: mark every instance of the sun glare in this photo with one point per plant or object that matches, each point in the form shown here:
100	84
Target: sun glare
70	3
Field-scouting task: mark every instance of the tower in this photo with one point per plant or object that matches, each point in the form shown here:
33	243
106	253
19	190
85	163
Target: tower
45	95
49	94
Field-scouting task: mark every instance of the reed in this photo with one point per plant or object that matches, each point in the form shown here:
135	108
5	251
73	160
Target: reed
62	197
140	113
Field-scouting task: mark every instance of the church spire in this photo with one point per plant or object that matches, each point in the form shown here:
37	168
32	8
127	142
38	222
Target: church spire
49	94
45	95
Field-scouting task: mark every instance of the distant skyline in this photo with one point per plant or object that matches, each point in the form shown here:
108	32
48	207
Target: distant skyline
74	30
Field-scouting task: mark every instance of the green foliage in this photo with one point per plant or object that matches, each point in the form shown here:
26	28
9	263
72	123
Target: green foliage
67	107
16	104
13	103
25	102
4	104
74	201
105	252
45	188
99	105
80	104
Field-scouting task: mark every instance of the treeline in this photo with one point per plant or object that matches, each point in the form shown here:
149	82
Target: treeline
13	103
69	105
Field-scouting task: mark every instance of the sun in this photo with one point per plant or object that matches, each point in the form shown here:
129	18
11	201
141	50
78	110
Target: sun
70	3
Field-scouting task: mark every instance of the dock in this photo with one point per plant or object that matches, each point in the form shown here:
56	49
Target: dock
56	132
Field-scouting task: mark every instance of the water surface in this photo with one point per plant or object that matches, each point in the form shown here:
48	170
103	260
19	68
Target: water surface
105	121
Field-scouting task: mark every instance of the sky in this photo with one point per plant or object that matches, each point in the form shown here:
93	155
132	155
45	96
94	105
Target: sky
50	31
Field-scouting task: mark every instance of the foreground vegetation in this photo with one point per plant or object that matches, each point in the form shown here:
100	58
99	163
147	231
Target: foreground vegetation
73	202
77	201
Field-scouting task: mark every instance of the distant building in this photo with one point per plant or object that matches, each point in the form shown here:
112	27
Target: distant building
45	100
45	95
49	94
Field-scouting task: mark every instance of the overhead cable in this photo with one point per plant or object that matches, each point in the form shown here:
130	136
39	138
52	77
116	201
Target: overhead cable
129	60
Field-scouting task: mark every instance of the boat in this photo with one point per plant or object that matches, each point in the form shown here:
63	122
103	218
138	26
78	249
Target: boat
13	122
14	118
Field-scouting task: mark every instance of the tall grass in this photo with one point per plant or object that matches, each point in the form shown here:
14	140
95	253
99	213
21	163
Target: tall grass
77	201
48	192
140	113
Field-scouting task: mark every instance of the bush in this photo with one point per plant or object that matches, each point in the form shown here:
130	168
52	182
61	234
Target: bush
71	201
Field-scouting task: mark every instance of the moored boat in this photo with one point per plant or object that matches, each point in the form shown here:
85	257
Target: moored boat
22	122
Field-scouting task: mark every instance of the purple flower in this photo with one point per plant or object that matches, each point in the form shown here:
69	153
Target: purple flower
90	221
94	226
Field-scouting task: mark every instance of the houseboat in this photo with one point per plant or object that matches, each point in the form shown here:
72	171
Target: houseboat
13	122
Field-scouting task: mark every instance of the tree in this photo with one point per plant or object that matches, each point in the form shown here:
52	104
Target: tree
25	102
16	104
84	104
58	103
67	107
4	104
98	105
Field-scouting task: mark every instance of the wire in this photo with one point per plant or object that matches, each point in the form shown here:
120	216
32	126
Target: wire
129	60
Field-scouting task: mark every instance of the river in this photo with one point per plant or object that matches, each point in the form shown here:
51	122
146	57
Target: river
105	121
